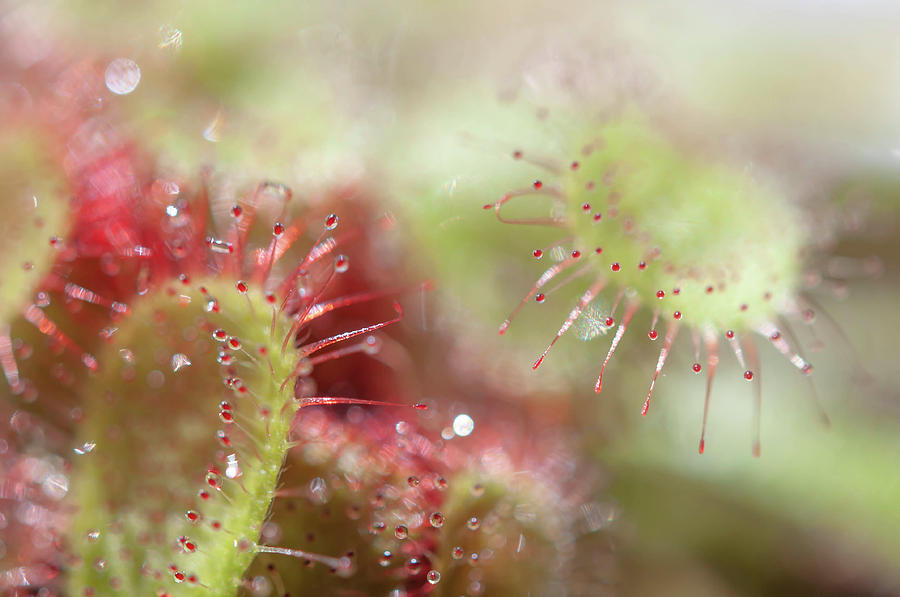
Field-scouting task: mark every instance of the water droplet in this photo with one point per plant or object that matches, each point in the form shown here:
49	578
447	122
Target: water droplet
401	532
696	367
220	246
179	361
413	566
473	523
457	553
433	577
413	481
463	425
331	222
241	287
122	76
436	519
85	448
232	468
537	253
540	297
341	264
220	335
384	560
748	375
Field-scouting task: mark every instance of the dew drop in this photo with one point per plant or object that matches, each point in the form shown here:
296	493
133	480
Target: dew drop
463	425
696	367
241	287
473	523
234	343
179	361
433	577
413	566
457	553
85	448
331	222
236	211
436	519
653	334
660	294
609	321
576	254
538	253
615	267
278	229
220	335
192	516
220	246
401	532
341	264
122	76
677	314
729	334
748	375
540	297
384	560
537	185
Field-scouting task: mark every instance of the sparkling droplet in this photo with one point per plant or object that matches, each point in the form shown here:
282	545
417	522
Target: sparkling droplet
473	523
384	560
696	367
122	76
436	519
413	566
331	222
341	264
748	375
85	448
457	553
615	267
401	532
179	361
433	577
537	253
540	297
463	425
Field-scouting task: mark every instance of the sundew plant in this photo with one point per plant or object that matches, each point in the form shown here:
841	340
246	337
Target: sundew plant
448	299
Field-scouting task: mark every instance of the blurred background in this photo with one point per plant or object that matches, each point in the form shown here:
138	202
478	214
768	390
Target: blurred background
422	102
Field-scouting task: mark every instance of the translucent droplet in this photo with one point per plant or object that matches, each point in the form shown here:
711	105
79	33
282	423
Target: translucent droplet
463	425
401	532
473	523
122	76
436	520
384	560
179	361
433	577
85	448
